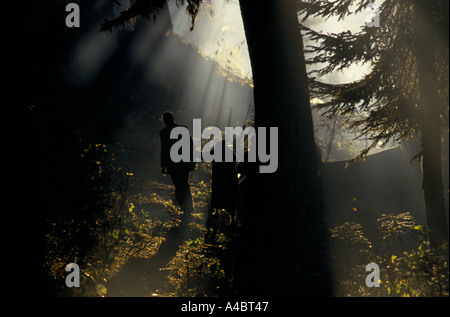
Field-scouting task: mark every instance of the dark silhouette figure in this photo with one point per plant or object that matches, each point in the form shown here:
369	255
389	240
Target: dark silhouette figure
179	172
224	184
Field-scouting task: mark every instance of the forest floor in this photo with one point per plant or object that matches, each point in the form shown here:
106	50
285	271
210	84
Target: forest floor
144	275
165	253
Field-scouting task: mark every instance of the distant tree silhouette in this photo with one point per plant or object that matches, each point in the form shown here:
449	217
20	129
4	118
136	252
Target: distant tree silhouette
224	183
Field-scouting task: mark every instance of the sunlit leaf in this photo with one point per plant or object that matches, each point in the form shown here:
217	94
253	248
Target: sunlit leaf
101	289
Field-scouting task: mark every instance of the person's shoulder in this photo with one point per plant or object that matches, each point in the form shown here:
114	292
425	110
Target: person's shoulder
168	129
165	130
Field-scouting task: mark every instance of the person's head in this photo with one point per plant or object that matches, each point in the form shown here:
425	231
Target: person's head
168	118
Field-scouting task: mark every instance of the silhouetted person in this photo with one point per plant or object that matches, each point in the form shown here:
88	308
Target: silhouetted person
224	183
179	172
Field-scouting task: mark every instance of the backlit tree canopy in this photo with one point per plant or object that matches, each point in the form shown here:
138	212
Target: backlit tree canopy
389	95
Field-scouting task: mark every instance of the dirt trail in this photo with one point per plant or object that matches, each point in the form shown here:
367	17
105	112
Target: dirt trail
147	276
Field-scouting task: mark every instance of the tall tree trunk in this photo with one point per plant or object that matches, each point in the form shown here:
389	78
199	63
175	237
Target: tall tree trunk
426	49
282	243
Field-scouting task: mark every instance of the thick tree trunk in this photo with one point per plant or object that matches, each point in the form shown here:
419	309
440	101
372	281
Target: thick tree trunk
426	48
433	188
282	243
